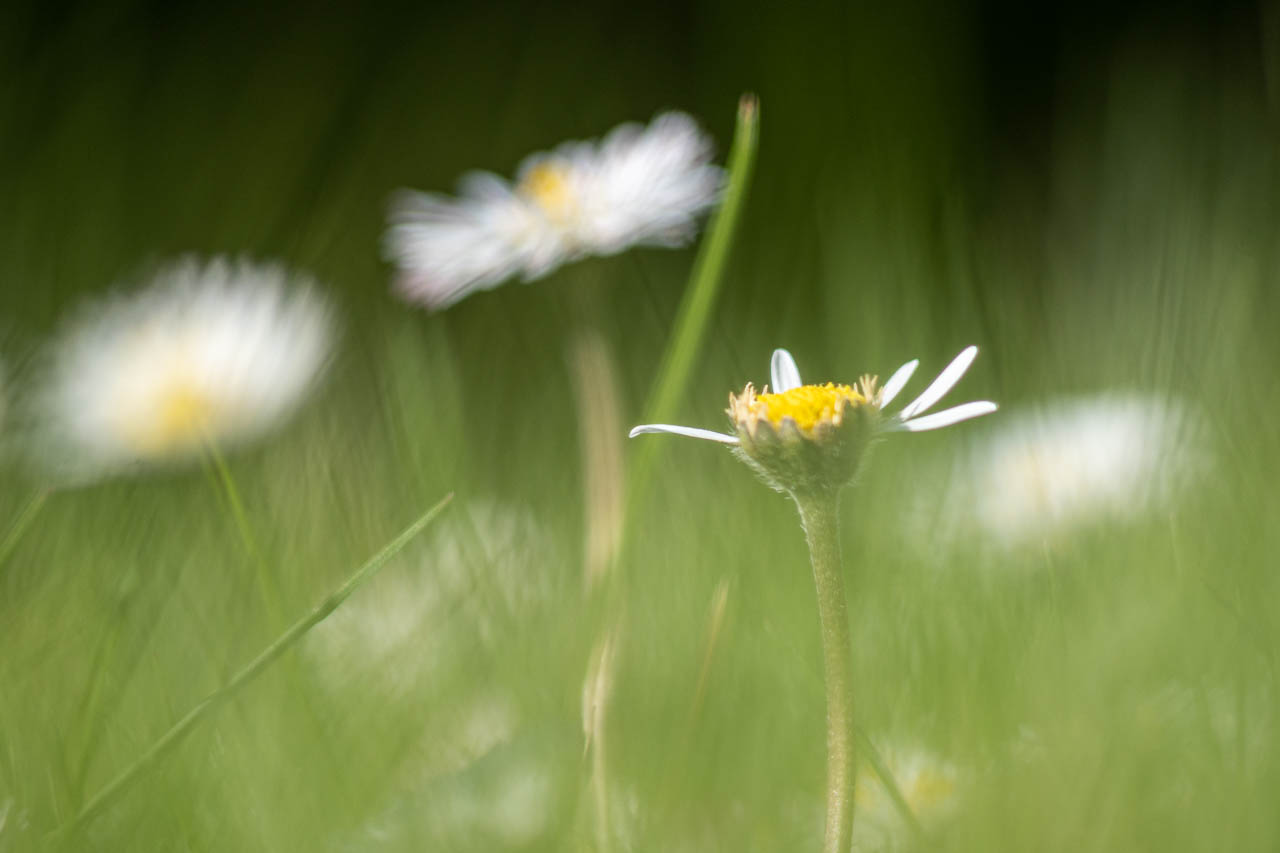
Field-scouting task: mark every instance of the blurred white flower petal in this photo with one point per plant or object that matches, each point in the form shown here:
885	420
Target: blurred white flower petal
930	786
209	353
1048	472
476	582
639	186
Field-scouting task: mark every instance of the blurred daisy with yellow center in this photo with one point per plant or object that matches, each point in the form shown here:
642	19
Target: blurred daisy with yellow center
1068	464
812	437
638	186
929	786
209	354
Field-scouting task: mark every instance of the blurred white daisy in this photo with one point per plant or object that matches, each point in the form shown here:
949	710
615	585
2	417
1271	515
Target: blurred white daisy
1070	463
479	583
209	353
639	186
929	785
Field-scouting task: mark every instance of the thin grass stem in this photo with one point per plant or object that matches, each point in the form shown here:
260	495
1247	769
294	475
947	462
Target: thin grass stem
21	523
267	586
254	668
694	313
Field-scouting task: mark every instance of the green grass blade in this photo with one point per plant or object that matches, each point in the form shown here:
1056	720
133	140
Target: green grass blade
254	668
21	523
704	284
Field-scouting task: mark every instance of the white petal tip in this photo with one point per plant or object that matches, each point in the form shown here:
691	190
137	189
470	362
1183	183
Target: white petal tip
947	417
783	372
946	380
897	382
688	432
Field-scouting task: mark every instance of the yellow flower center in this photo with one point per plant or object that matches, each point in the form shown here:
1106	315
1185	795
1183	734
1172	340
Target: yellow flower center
179	421
927	792
930	789
808	405
547	185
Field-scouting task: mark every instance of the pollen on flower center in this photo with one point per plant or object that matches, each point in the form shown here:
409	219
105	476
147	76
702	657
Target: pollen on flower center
547	185
808	405
180	419
930	789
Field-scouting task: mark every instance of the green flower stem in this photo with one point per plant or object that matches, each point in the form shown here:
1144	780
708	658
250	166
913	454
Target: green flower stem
820	516
267	587
265	658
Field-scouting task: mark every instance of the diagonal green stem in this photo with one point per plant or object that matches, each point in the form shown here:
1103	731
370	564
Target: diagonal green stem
820	515
202	709
700	294
885	776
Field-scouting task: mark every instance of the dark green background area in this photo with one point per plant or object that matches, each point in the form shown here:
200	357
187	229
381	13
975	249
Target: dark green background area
1091	195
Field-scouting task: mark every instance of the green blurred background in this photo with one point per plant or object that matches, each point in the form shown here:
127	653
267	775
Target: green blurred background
1088	193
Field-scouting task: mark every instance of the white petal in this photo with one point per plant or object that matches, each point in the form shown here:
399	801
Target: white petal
691	432
939	387
784	372
898	381
947	417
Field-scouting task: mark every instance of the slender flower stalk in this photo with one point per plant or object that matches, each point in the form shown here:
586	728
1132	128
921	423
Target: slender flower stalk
821	519
809	442
220	473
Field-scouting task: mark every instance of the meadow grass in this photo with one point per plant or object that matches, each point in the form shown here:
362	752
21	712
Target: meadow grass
1111	687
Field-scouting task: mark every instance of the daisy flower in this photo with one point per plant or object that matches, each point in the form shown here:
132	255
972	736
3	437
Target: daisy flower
807	437
638	186
468	591
215	353
808	441
929	786
1070	464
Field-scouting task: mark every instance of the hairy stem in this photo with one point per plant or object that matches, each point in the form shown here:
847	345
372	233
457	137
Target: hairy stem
819	514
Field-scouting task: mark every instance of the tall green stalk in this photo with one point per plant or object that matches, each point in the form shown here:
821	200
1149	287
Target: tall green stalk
691	322
819	513
700	294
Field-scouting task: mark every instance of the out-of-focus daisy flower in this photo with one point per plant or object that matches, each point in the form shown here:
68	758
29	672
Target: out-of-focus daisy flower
810	437
639	186
472	772
1070	463
929	785
213	353
474	588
